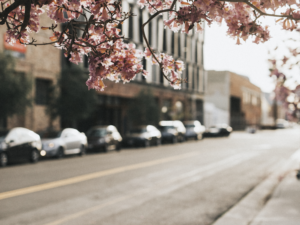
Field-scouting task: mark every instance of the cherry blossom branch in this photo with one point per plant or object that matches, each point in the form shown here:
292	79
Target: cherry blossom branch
146	40
27	15
259	11
4	14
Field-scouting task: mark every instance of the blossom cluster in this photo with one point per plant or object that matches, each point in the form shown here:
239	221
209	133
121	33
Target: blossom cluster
91	28
238	17
284	92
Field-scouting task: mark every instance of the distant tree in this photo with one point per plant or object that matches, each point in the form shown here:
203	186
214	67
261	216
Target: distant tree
14	89
70	98
143	110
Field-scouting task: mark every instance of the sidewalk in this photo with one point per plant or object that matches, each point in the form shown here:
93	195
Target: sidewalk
284	206
275	201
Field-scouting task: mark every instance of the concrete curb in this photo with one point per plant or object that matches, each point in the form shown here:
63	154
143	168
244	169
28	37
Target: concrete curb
247	208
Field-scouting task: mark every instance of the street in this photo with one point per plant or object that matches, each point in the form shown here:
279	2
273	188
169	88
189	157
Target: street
190	183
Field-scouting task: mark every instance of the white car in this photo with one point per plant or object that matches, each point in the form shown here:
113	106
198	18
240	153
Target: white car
66	142
194	129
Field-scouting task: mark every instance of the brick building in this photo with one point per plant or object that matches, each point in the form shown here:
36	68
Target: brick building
42	66
232	99
245	102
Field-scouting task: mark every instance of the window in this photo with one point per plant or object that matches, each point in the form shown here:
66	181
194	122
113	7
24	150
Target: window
172	43
165	40
161	77
160	35
140	25
130	35
42	91
150	33
188	79
246	97
254	100
85	61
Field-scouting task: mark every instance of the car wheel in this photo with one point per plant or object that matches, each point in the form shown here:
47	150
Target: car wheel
60	153
146	143
105	148
199	137
158	141
34	156
118	148
3	159
174	140
82	150
180	138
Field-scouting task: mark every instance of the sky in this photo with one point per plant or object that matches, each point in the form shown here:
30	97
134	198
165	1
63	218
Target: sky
248	59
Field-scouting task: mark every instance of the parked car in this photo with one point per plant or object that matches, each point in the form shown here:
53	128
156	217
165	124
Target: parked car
66	142
19	144
104	138
172	131
169	134
194	129
143	136
282	123
219	130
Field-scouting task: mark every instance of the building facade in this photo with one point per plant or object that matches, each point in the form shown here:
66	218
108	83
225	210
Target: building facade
232	99
42	66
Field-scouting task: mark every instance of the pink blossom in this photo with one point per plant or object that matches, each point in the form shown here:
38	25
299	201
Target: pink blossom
147	53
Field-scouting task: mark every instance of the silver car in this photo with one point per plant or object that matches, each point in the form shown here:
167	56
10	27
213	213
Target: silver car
66	142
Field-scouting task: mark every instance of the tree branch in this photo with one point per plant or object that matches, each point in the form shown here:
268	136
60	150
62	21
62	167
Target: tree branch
259	11
4	14
27	15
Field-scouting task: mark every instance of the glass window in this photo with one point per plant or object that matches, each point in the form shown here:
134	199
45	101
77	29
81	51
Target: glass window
42	91
138	130
97	133
189	125
50	134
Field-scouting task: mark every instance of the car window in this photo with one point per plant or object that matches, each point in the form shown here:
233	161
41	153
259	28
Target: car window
189	125
138	130
49	134
96	133
165	128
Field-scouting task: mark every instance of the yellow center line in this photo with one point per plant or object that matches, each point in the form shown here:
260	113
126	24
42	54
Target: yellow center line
73	180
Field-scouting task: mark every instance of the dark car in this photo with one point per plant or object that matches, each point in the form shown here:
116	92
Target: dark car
19	144
172	131
219	130
143	136
104	138
169	134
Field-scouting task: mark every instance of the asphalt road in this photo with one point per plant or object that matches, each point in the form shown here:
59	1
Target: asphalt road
191	183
